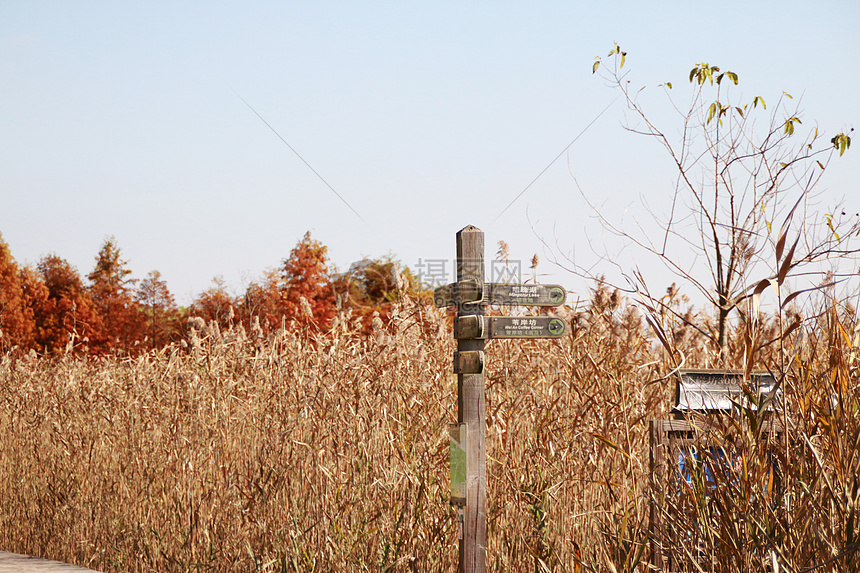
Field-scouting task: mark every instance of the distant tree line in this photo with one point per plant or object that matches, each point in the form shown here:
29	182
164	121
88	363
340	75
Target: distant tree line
51	309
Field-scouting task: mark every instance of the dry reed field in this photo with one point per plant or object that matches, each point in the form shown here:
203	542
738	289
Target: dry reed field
303	451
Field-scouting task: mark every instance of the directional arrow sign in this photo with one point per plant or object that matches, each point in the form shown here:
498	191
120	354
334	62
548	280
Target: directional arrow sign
509	327
499	293
524	295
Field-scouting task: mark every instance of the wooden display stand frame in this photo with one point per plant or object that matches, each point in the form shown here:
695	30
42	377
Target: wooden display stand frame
668	438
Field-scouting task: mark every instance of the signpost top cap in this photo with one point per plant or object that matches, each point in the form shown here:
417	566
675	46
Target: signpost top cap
470	229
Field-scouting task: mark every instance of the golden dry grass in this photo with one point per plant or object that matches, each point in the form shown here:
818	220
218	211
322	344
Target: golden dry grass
307	452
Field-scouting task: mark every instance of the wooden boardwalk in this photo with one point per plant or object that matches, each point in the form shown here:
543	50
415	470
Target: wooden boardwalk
14	563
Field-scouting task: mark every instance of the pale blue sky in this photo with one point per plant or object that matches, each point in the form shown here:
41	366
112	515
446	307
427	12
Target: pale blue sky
122	119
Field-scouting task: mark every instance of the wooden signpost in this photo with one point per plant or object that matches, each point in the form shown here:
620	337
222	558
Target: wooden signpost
472	328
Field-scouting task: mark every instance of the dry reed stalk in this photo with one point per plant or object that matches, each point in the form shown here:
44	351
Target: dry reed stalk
302	451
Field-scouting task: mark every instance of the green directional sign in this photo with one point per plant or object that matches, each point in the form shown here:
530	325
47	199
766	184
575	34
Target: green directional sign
458	464
524	295
499	293
509	327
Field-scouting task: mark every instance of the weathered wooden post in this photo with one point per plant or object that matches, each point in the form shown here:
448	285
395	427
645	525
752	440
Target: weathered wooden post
470	294
471	401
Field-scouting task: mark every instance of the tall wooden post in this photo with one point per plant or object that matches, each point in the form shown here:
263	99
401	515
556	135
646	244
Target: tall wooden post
471	410
471	295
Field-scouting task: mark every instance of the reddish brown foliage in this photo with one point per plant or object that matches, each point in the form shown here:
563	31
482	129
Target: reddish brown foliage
51	310
35	295
158	314
264	300
112	297
67	315
215	304
306	277
16	319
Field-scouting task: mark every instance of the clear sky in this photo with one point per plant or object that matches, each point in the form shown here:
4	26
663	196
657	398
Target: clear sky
127	119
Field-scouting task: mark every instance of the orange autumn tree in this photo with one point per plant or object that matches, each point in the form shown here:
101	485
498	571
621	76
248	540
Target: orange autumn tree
34	293
66	317
306	277
215	304
110	288
159	314
16	318
264	301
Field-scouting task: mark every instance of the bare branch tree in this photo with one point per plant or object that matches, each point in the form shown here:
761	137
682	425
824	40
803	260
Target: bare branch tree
740	170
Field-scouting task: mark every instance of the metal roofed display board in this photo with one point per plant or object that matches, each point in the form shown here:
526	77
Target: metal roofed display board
717	390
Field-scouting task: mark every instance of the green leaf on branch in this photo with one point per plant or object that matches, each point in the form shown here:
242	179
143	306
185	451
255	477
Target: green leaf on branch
841	142
717	110
766	222
596	65
731	75
757	100
789	125
829	218
623	55
712	111
704	72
